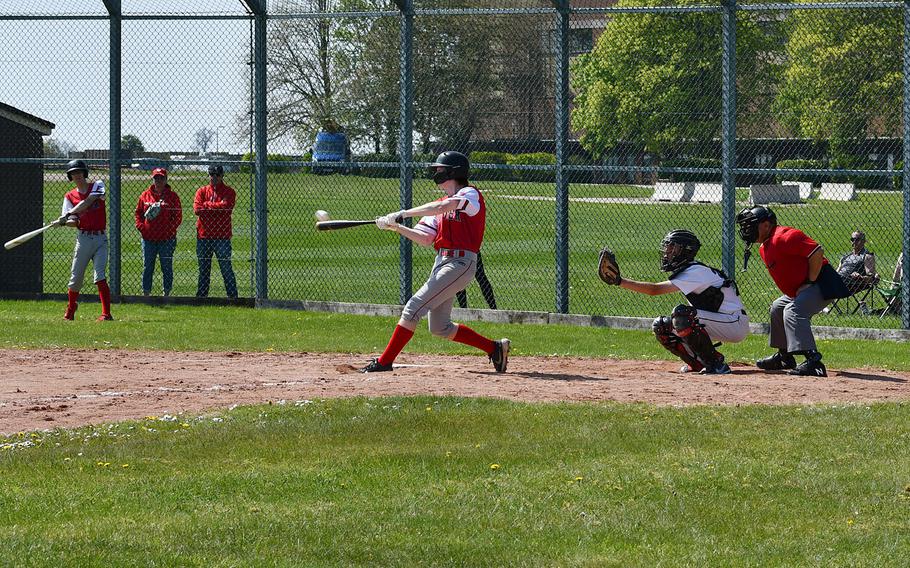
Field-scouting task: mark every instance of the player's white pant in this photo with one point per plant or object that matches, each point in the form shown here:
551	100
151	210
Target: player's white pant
729	328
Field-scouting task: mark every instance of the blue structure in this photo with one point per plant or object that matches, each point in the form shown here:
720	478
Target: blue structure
331	147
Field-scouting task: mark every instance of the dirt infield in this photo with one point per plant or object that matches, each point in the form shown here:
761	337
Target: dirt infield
63	388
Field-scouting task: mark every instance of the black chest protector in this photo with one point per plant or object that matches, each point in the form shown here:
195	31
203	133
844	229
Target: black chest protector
711	298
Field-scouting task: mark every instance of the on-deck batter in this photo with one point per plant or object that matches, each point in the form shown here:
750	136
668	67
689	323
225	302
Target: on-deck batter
83	208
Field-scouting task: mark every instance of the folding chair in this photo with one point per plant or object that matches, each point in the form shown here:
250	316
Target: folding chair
891	295
860	299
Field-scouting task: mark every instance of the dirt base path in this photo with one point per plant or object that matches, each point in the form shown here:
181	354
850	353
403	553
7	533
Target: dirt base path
54	388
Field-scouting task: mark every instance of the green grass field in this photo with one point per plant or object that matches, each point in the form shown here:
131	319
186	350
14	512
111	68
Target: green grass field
361	264
211	328
442	481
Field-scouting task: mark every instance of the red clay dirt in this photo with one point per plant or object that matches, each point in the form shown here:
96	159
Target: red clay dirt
65	388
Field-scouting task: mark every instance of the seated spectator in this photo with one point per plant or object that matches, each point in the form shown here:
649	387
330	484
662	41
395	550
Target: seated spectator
857	268
899	268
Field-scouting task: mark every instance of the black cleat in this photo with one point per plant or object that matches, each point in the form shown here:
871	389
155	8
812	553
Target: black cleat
716	368
500	355
777	362
810	369
375	366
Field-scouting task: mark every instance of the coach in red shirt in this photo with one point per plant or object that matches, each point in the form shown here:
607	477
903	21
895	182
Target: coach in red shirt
795	261
158	214
213	205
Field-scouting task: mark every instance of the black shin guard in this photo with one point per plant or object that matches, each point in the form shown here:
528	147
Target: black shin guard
693	334
663	330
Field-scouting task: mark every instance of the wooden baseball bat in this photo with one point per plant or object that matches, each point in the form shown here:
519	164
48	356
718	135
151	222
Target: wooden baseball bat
333	225
27	236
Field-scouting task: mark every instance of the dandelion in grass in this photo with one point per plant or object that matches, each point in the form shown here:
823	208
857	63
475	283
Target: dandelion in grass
495	466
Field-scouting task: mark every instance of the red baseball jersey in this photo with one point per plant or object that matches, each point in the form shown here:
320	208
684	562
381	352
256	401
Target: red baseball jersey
95	217
786	254
164	226
462	228
214	205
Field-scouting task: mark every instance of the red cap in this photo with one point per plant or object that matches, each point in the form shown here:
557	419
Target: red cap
159	172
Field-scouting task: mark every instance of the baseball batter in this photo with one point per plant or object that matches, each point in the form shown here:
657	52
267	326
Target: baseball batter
714	312
83	208
453	225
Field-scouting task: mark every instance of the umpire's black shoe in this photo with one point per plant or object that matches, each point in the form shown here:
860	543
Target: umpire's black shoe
811	367
376	367
777	362
500	355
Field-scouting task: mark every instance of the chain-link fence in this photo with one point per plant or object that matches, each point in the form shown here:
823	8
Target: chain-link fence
588	123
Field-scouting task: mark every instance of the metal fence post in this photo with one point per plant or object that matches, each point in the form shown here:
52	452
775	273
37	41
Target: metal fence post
562	135
905	277
261	205
405	140
728	138
114	189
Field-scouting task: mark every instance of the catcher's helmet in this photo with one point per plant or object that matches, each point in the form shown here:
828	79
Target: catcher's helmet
75	166
677	249
216	170
750	218
456	167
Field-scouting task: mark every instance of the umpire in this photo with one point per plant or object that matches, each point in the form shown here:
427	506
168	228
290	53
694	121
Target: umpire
798	266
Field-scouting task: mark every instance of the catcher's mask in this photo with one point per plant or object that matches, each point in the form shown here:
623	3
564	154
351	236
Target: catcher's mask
455	164
678	248
750	218
75	166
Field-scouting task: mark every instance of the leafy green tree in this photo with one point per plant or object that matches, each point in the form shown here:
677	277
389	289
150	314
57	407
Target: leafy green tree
655	79
843	78
131	144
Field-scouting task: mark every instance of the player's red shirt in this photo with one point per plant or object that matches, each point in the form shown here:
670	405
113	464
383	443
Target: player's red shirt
95	217
164	226
786	254
459	229
214	205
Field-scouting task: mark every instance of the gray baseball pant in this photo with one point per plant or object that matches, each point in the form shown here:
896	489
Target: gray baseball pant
791	319
436	296
88	248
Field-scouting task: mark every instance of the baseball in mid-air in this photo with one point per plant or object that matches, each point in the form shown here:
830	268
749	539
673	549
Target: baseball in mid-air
322	215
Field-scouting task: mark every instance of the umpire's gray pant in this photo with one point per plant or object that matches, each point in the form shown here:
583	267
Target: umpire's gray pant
791	319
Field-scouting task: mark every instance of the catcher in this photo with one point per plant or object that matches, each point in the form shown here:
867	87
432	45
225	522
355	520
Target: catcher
715	311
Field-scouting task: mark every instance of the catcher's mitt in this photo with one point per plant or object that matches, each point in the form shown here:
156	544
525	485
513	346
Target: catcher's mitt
608	268
153	211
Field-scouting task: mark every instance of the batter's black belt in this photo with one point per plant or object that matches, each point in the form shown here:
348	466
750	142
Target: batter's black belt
452	253
91	232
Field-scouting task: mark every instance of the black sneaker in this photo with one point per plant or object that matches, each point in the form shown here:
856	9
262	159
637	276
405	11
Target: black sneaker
777	362
716	368
810	368
500	356
376	367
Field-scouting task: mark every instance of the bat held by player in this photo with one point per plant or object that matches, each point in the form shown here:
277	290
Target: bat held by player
28	236
334	225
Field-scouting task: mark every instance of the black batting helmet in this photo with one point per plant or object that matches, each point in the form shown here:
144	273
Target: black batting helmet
456	166
75	166
678	248
750	218
216	170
